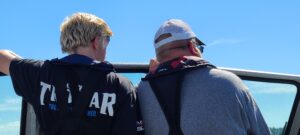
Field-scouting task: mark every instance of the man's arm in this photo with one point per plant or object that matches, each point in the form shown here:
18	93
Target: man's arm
6	57
258	125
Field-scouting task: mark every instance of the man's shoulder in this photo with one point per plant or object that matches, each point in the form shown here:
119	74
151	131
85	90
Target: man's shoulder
214	73
215	76
223	74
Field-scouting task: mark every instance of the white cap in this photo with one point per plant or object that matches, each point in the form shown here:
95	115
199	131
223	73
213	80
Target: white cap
178	29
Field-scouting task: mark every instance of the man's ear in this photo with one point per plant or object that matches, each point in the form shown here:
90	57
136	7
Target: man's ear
193	49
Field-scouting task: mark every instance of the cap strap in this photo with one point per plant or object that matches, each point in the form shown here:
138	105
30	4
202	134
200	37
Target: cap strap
164	41
174	37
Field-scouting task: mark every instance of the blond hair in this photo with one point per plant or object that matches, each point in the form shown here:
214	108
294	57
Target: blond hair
80	29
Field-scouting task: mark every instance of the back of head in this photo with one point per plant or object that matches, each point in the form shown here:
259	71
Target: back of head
80	29
173	33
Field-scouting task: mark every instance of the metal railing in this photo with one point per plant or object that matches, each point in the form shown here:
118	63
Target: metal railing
29	123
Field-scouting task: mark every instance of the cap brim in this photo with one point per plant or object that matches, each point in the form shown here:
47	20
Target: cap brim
199	41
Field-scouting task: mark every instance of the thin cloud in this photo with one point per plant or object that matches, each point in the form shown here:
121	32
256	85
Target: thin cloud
10	127
11	104
275	91
271	88
224	41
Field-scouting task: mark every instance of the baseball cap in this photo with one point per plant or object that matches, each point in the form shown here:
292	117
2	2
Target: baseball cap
178	30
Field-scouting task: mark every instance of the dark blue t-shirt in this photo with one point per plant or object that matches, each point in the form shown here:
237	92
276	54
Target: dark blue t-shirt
110	109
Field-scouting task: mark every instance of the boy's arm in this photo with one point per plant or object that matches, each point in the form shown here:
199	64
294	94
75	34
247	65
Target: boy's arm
6	57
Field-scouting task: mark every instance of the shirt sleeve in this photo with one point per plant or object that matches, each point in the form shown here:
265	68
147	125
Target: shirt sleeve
125	119
256	121
25	75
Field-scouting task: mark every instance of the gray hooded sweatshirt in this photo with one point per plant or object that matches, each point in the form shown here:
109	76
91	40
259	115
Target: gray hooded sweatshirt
213	102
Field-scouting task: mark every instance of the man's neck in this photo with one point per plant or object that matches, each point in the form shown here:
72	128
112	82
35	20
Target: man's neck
171	58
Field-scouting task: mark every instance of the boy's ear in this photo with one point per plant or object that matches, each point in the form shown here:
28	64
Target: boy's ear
95	43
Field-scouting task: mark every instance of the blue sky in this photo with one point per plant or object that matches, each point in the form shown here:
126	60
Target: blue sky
254	35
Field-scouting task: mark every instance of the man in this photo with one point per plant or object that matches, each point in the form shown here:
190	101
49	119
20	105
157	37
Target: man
185	95
79	94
